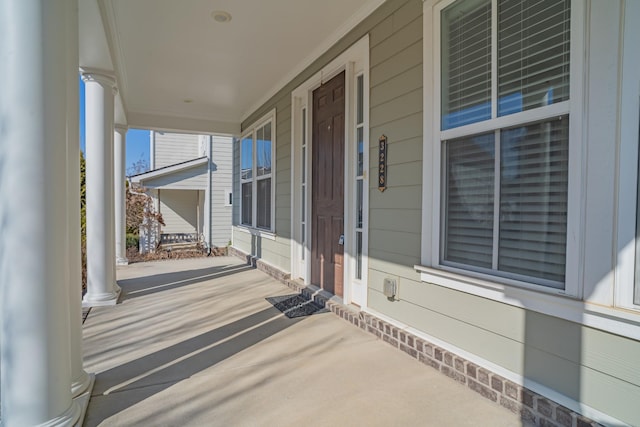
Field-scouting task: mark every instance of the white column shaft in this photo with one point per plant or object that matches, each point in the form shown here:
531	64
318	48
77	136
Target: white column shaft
80	379
208	194
34	298
120	142
152	150
99	122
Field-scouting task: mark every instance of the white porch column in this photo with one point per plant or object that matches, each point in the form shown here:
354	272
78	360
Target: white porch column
208	193
81	382
99	119
34	300
120	143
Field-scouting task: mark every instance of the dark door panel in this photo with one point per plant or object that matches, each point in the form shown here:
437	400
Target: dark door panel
327	210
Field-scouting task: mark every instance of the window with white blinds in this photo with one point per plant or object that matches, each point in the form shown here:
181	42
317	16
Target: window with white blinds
505	191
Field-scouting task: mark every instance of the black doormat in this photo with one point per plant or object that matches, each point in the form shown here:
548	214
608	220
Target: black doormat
296	305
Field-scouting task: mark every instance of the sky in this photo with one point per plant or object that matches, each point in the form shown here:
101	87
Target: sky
137	139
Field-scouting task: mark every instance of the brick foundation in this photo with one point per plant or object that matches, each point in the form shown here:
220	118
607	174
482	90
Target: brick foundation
533	408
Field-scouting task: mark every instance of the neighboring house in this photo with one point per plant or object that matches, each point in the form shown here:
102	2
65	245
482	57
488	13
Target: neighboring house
190	182
504	234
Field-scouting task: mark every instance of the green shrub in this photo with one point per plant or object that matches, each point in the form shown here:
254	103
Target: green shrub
132	241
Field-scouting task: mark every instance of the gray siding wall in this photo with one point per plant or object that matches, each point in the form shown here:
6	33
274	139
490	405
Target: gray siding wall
201	211
179	209
584	364
189	179
395	30
221	180
172	148
277	251
396	111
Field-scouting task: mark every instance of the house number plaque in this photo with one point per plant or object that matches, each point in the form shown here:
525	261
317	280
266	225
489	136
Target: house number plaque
382	163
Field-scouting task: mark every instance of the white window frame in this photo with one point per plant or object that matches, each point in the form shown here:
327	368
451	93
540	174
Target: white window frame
354	62
431	255
629	129
607	308
251	133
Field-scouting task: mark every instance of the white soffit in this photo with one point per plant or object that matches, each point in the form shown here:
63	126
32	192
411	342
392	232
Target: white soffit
174	61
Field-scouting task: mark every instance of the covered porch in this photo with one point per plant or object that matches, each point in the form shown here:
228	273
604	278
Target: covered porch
342	178
198	342
145	65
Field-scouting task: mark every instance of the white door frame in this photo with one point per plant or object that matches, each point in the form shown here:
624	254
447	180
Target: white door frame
354	62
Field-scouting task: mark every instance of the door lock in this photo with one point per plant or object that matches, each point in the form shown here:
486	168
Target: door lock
341	240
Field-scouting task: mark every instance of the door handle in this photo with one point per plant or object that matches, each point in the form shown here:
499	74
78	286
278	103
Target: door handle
341	240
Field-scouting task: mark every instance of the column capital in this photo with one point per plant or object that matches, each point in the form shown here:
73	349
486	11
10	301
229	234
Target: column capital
105	78
121	129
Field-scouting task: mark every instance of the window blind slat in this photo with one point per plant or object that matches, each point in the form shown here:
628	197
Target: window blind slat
533	53
532	198
470	191
466	61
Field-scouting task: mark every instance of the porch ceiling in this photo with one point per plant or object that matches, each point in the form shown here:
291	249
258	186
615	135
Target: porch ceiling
179	69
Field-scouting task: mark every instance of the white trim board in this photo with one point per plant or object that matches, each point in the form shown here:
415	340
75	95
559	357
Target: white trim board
354	62
251	131
168	170
627	161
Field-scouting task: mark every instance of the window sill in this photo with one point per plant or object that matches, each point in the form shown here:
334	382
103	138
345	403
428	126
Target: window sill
256	232
551	302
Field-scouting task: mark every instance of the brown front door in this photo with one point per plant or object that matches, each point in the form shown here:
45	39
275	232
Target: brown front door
327	208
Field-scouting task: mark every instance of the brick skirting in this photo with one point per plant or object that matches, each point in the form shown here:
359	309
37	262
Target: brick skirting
532	407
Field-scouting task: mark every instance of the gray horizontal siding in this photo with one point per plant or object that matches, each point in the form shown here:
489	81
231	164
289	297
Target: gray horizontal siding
395	216
274	251
172	148
179	210
396	111
221	181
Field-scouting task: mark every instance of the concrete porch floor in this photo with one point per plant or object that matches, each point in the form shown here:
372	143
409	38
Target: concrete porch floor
194	342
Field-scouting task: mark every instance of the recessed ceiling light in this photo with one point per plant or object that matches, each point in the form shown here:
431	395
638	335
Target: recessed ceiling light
187	101
221	16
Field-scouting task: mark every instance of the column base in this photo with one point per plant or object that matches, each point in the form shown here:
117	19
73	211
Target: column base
71	417
80	385
98	300
83	400
122	261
